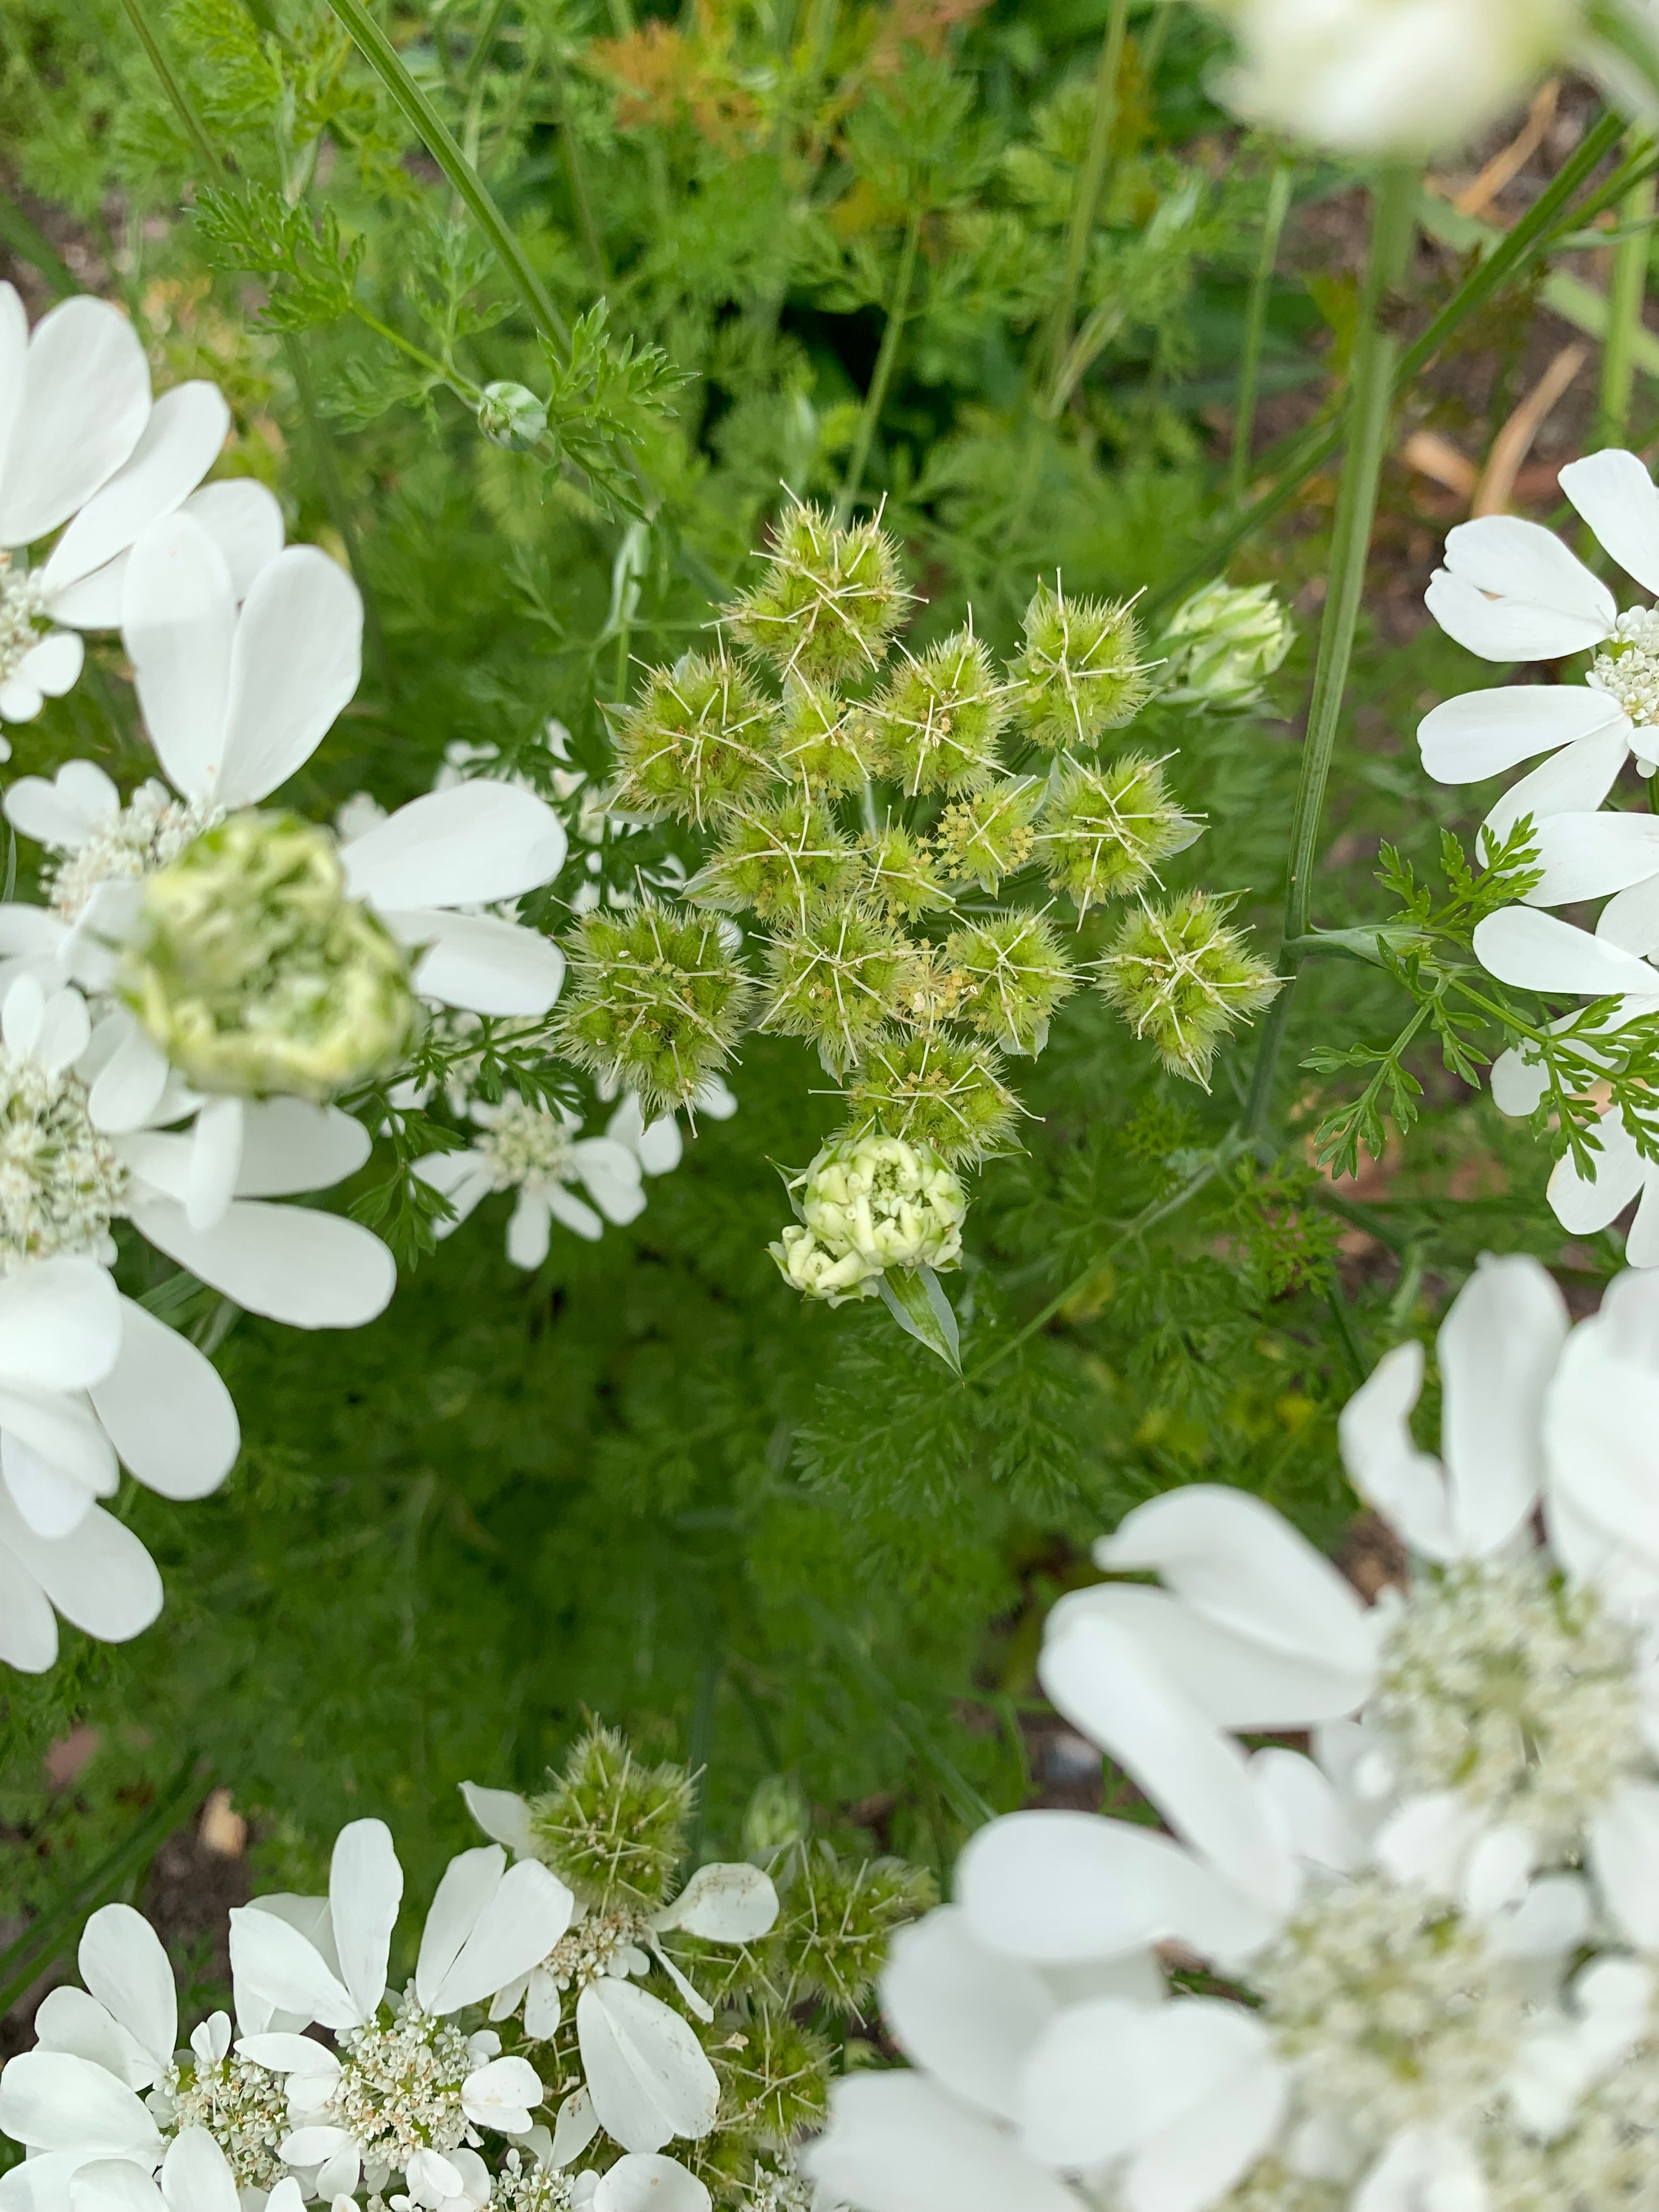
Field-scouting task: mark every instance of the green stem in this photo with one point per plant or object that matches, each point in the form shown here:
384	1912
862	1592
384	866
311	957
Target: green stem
482	44
1370	391
383	57
1086	205
1627	285
575	173
875	397
1255	328
174	85
22	236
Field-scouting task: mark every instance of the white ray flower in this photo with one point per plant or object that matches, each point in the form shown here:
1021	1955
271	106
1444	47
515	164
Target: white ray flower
404	2095
535	1151
81	443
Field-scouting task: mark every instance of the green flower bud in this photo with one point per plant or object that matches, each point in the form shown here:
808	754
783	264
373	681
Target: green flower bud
1182	979
1222	645
831	1939
823	743
696	742
508	415
938	720
778	1816
899	875
775	2076
655	1003
937	1090
817	1272
1079	673
988	836
255	973
838	980
783	859
1104	831
829	602
612	1828
1011	974
893	1204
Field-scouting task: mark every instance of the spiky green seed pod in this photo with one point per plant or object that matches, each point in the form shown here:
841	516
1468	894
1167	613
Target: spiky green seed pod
698	740
829	603
1079	673
776	2085
612	1828
656	1002
838	980
824	743
985	837
1104	831
837	1921
781	858
1012	974
899	875
938	720
933	1088
1182	979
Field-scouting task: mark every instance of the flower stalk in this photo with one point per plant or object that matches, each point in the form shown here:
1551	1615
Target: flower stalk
1255	327
1091	182
875	397
1627	286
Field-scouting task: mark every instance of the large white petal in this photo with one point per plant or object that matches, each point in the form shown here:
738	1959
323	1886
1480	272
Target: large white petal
503	1815
734	1903
1585	856
52	2101
51	667
1305	1809
365	1888
123	1966
28	1627
275	1961
1583	1204
195	2176
1600	1419
1497	1349
100	1578
1630	921
527	1232
179	625
1406	1485
65	1433
179	444
1185	2167
1481	734
14	360
642	2181
289	1145
1511	591
1575	780
964	2014
1615	494
311	1270
66	811
469	1882
645	2070
167	1412
468	846
245	521
478	961
1623	1852
128	1088
529	1910
67	2019
1538	952
52	1499
85	403
60	1324
896	2143
294	664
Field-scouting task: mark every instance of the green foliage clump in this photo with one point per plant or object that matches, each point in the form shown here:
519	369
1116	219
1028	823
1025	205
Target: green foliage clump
611	1827
696	742
655	1003
1079	673
1182	979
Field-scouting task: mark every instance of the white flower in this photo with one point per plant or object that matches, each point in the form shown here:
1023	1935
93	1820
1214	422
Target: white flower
82	444
535	1150
195	2177
1387	76
408	2096
647	2078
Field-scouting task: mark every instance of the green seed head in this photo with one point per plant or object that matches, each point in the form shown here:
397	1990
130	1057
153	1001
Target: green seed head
938	720
899	876
838	979
612	1828
1223	644
837	1921
655	1003
255	973
937	1090
824	742
1104	831
775	2083
1182	980
1011	976
697	741
782	859
985	837
829	603
1079	673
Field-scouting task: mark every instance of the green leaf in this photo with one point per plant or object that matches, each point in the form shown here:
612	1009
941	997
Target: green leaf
916	1300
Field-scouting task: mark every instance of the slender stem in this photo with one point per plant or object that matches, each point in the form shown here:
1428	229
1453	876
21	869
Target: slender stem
482	43
1151	54
20	235
339	507
383	57
1370	391
174	85
1627	285
575	172
875	397
1255	328
1086	205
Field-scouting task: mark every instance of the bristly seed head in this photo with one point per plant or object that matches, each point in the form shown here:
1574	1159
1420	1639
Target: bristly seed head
829	603
825	744
1011	976
697	741
838	980
938	722
656	1001
934	1089
988	836
1182	979
1104	831
782	859
612	1828
1079	673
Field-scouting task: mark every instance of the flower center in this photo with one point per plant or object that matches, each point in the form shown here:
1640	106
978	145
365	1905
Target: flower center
61	1183
22	624
592	1948
1627	665
525	1146
1520	1694
241	2106
399	2089
147	834
524	2185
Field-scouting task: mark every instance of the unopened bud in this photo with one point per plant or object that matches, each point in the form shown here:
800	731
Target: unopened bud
510	415
1223	644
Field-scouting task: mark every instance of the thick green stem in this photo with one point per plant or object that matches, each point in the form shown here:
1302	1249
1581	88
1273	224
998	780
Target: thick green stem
383	57
1628	287
1370	391
875	397
1255	328
1086	205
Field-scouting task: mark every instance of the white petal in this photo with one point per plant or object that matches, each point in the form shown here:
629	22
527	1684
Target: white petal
287	2053
478	961
895	2142
19	702
527	1233
573	2128
469	1882
115	2186
1615	494
1631	919
67	2019
503	2094
180	443
1537	953
1481	734
1600	1417
1184	2167
64	812
245	521
179	625
28	1627
100	1578
289	1145
53	2102
53	666
216	1159
86	401
52	1499
128	1088
123	1966
612	1175
1424	2170
1584	1204
524	1917
1585	856
311	1270
14	360
543	2010
502	1815
195	2176
276	1962
60	1324
1575	780
22	1014
645	2070
965	2015
295	662
1497	1349
1511	591
468	846
65	1432
95	601
365	1888
1305	1810
1406	1485
167	1413
644	2182
724	1903
464	1179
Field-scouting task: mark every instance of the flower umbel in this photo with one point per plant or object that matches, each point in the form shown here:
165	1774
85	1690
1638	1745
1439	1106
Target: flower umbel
61	1183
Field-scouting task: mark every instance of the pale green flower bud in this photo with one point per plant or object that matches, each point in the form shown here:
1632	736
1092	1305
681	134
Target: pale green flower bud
778	1816
892	1203
510	415
255	973
1223	644
807	1267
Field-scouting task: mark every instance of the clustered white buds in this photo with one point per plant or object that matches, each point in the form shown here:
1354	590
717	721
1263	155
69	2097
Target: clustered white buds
868	1204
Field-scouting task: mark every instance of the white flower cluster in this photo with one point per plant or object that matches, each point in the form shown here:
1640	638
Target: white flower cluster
1414	1968
1511	591
867	1204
